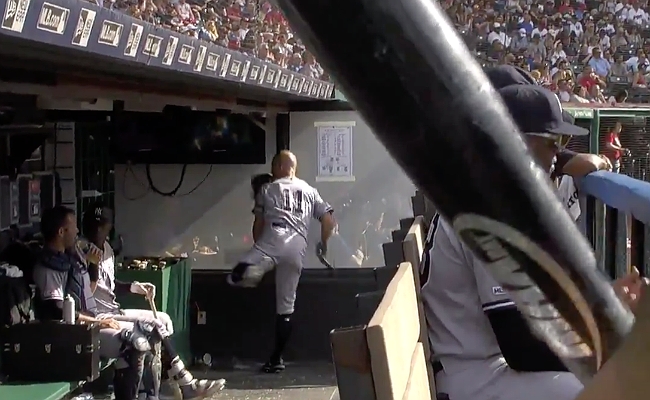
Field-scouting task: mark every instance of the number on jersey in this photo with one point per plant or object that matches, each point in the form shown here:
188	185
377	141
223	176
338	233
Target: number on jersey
292	201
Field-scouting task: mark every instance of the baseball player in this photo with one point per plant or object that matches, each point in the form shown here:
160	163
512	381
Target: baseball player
483	348
97	224
283	211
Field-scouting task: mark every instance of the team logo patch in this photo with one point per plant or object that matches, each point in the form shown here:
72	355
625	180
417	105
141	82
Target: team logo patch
498	291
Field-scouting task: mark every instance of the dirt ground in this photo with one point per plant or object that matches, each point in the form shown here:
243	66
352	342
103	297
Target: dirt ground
313	381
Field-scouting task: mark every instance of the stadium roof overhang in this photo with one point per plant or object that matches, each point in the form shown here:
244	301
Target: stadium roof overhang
67	42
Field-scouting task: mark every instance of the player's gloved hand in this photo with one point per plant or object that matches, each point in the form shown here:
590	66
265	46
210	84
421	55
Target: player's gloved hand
321	253
321	249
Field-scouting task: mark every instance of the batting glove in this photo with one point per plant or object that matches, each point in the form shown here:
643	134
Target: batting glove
321	249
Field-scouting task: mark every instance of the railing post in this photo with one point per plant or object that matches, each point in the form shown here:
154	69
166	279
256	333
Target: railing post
611	223
638	246
622	263
599	232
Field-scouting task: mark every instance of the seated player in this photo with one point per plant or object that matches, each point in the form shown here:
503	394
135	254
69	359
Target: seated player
483	347
60	271
97	224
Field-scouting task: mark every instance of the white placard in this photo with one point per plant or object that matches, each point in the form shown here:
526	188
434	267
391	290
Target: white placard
335	151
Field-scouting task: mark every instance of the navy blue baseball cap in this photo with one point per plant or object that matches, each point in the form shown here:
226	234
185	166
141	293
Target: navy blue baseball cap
538	111
506	75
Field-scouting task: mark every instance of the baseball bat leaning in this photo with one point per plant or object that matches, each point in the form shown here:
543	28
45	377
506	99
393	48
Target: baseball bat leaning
409	74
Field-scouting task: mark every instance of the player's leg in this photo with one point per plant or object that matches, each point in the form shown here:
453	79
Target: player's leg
503	383
287	276
250	270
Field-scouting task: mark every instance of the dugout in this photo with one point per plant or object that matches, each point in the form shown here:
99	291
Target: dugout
62	98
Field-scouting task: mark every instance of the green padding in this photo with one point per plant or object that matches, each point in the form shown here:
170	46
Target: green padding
42	391
173	285
36	391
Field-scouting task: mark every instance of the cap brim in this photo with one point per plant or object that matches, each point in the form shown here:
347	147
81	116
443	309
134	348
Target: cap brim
565	128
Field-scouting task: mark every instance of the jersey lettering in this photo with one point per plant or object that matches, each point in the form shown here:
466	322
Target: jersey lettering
292	201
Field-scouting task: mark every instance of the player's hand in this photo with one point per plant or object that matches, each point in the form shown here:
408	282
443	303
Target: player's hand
94	254
629	288
108	323
321	249
321	253
606	164
145	289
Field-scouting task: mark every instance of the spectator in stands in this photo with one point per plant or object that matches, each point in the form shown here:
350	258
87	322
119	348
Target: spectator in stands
519	41
598	64
62	270
588	78
613	148
536	48
97	224
639	78
619	69
620	97
558	53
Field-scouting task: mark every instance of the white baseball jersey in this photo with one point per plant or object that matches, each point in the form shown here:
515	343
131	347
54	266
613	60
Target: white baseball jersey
290	202
287	205
457	290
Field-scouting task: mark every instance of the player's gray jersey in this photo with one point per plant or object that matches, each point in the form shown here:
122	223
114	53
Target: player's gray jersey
457	290
291	202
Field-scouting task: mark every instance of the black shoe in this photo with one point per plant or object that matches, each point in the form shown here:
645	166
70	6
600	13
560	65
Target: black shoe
273	367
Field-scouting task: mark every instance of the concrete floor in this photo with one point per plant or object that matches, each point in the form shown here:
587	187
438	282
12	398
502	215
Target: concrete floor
304	381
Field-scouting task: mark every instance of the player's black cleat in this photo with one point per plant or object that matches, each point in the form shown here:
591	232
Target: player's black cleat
273	367
250	275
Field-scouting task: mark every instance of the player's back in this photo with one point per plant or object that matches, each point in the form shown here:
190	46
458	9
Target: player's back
459	331
290	201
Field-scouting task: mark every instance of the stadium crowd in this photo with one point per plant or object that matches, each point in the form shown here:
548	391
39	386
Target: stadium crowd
586	51
254	27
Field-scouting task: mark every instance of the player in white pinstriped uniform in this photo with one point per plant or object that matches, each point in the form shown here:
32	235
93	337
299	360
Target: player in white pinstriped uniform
483	349
283	212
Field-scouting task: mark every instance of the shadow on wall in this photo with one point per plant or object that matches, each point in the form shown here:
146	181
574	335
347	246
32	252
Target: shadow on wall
212	224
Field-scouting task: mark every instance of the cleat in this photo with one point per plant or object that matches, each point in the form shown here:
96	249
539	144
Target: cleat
202	388
273	367
252	276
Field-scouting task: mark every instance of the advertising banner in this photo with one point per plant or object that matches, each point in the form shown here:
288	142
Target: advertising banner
83	26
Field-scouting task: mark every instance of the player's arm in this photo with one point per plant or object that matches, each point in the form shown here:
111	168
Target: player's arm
325	214
579	164
521	348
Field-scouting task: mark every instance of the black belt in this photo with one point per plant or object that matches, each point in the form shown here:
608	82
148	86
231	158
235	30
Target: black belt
437	367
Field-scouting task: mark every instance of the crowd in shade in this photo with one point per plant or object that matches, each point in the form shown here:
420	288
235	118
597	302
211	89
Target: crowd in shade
254	27
587	51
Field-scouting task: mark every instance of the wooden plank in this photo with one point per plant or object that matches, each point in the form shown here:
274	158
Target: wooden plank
413	247
418	384
405	223
393	254
352	363
392	335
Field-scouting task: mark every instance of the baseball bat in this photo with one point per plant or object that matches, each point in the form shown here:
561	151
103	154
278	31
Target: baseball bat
406	70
